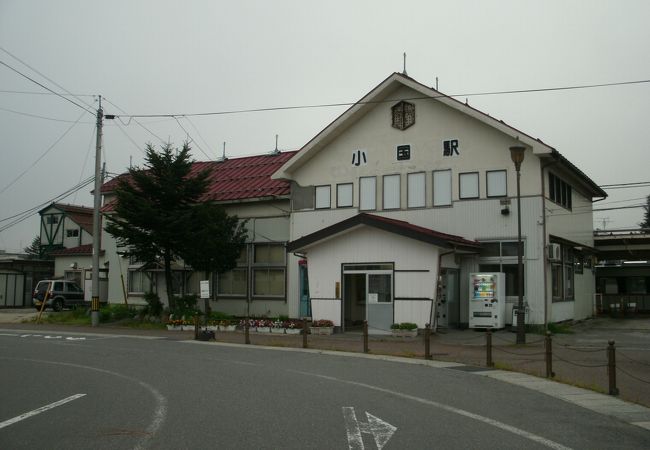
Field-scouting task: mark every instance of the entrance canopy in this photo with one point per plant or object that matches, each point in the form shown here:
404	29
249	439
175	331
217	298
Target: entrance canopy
399	227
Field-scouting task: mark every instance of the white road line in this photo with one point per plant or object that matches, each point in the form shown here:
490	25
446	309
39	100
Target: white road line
6	423
495	423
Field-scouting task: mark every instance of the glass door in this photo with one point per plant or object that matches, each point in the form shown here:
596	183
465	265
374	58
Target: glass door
380	302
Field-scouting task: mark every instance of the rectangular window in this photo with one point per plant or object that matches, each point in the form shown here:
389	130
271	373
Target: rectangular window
468	183
268	282
344	195
269	254
416	191
367	193
496	183
392	193
52	219
138	282
323	197
559	191
563	275
441	187
233	283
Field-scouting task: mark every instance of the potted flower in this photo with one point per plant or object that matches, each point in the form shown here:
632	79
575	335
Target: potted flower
277	327
404	329
174	324
323	326
263	325
292	326
227	325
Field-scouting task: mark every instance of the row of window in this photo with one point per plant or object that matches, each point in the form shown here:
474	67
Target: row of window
468	188
563	274
559	191
260	272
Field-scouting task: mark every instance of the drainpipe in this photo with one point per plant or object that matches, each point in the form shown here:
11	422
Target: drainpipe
432	322
544	242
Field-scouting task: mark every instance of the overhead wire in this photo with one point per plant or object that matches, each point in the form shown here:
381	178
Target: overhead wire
191	139
47	88
136	121
45	76
83	167
41	157
200	135
36	116
428	97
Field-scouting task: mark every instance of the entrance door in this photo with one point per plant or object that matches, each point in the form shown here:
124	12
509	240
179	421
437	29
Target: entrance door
368	295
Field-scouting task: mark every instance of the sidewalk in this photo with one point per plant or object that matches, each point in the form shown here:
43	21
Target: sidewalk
579	359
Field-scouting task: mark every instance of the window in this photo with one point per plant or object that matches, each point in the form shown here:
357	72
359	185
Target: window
269	267
559	191
496	183
468	185
442	187
52	219
72	233
323	197
138	282
367	193
344	195
562	276
416	190
233	283
501	256
391	191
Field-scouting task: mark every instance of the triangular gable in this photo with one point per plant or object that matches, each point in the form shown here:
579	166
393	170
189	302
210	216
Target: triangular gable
399	227
381	94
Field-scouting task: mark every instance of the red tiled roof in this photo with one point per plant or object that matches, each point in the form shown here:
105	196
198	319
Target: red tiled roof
234	179
81	215
391	225
82	250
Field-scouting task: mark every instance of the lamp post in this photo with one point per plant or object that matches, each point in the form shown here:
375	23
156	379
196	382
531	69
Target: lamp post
517	155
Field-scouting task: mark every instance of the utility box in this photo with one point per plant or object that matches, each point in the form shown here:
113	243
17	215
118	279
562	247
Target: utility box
514	316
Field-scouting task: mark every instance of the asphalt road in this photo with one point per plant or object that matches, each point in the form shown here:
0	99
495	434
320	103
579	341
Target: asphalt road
117	392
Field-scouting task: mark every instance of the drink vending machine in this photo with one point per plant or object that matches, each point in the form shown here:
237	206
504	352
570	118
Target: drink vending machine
487	300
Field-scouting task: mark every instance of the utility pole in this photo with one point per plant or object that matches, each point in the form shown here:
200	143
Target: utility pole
94	307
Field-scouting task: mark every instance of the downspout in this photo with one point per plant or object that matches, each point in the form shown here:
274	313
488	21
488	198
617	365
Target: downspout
433	322
544	242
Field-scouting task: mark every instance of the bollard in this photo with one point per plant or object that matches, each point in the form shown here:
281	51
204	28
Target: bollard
247	336
548	346
196	326
365	336
305	330
427	342
488	348
611	368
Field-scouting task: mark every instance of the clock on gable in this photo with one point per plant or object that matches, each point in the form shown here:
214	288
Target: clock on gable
403	115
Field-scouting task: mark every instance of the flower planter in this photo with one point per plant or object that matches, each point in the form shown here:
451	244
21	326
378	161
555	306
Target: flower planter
211	328
293	330
188	327
174	327
227	327
275	330
321	330
263	329
405	333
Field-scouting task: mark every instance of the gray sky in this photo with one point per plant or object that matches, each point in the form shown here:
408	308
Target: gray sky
171	57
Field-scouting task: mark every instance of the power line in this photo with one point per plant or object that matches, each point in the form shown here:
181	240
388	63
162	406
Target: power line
191	138
136	121
41	157
47	88
6	91
331	105
40	117
44	76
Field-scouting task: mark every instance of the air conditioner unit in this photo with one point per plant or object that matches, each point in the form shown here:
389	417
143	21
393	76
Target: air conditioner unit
554	252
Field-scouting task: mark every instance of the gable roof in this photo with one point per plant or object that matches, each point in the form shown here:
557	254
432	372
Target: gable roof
81	250
399	227
233	179
81	215
382	94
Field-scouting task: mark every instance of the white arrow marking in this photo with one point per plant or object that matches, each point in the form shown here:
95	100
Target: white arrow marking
75	339
53	337
381	431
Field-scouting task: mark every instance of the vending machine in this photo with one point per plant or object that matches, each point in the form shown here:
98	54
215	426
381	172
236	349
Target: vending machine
487	300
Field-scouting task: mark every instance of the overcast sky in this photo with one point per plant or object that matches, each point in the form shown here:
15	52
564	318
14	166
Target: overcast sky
173	57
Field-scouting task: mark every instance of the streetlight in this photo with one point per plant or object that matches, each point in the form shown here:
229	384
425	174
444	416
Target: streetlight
517	155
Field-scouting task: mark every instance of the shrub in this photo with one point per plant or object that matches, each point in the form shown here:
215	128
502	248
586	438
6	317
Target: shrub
114	313
154	305
322	323
404	326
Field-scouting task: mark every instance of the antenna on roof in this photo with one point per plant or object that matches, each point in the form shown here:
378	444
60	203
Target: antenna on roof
404	71
276	151
436	83
223	156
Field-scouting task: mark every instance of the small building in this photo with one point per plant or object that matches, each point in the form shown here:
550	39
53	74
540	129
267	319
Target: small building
405	194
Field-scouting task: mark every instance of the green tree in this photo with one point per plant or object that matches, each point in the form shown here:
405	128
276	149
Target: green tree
217	240
35	249
157	208
646	216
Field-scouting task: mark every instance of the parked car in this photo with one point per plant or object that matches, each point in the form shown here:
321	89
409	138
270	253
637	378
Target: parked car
62	294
